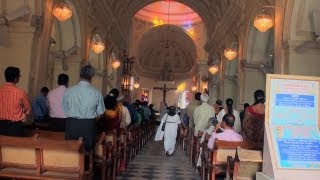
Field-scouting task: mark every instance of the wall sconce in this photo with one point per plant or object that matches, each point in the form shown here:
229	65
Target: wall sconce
97	46
263	21
193	88
62	10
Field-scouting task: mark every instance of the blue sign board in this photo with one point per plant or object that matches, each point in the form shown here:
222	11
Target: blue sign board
294	123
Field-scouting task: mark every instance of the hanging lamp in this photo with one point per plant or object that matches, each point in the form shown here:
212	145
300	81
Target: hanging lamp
194	88
98	46
263	21
213	69
230	53
62	11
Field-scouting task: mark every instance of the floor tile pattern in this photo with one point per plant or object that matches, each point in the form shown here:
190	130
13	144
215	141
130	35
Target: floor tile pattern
151	163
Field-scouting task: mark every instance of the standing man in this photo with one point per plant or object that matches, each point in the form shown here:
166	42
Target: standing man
14	104
146	111
57	121
202	115
40	110
191	107
82	104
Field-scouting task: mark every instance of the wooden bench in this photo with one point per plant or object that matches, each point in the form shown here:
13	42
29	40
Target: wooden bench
106	154
49	134
61	136
197	147
192	145
221	151
41	158
205	156
245	164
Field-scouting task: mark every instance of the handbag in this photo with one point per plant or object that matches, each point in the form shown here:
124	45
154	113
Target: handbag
164	124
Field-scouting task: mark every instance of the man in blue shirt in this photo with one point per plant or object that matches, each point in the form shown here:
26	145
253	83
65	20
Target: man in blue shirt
82	104
146	111
40	110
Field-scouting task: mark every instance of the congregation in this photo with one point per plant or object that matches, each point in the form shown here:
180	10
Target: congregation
78	112
81	111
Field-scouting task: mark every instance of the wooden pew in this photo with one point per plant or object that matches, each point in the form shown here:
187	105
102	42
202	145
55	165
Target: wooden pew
245	164
103	155
191	146
122	150
197	147
187	141
221	150
106	154
49	134
130	143
41	158
205	156
61	136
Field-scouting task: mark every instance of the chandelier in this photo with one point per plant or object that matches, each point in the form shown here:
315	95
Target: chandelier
62	11
136	85
194	88
98	46
230	53
213	69
115	64
263	21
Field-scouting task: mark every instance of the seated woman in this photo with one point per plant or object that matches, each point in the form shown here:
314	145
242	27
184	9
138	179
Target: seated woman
253	122
228	133
229	110
111	119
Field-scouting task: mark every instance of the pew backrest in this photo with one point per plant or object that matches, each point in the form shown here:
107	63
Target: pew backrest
36	157
247	164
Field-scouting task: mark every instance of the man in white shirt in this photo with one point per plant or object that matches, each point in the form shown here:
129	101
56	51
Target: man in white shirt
202	115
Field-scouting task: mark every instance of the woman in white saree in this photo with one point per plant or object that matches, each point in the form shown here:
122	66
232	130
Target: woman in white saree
170	120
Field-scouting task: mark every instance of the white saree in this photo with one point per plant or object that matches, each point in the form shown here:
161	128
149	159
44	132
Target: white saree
170	132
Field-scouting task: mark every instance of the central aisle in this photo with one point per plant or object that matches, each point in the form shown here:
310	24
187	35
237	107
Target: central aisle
151	163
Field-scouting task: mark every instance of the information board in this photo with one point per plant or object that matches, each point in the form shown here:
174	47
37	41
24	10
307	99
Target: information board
292	137
293	121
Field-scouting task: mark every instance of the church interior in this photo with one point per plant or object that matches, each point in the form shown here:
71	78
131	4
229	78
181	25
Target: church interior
154	51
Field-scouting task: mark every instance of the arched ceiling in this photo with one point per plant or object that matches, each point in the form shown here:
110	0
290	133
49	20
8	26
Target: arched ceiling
165	45
168	12
122	11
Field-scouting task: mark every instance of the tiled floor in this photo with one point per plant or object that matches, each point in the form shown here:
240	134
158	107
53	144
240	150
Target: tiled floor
151	163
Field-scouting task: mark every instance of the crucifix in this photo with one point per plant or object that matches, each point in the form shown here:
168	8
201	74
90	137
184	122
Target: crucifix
164	90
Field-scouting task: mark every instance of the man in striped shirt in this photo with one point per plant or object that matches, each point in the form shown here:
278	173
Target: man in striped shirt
14	104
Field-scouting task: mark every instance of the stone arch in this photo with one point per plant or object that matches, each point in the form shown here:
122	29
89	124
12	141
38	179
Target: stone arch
139	5
257	59
177	47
